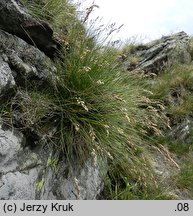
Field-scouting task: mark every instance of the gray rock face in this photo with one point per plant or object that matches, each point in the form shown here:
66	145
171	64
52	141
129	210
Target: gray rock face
182	131
14	182
6	78
15	19
27	174
156	56
22	61
85	183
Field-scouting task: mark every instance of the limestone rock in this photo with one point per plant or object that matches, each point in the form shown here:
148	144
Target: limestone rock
15	19
26	174
20	61
157	55
84	184
182	131
6	78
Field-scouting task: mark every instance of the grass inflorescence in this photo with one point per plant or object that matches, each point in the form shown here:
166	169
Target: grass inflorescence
92	110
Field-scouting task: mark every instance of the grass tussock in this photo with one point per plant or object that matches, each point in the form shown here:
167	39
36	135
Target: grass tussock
92	110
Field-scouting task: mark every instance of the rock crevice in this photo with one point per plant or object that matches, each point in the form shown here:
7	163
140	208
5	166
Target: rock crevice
16	20
157	55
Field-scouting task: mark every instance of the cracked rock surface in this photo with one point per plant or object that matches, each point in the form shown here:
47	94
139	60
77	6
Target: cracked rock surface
15	183
6	78
22	60
22	170
15	19
157	55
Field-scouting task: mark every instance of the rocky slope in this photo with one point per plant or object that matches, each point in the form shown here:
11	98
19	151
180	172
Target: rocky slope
168	64
27	172
27	54
154	57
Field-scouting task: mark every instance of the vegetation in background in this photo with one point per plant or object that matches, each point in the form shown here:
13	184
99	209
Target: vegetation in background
174	87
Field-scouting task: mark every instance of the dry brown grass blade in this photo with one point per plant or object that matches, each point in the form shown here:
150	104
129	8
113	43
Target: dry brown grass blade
167	154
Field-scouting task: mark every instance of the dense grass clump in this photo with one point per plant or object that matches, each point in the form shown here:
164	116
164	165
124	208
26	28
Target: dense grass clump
91	109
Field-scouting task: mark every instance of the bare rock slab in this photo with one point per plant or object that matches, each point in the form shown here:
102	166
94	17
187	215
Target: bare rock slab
15	19
160	54
25	174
